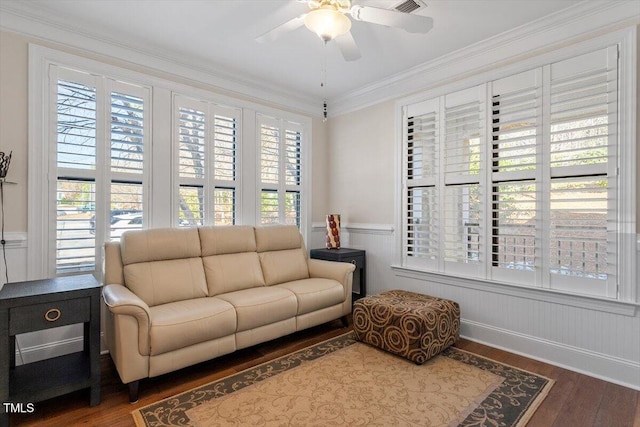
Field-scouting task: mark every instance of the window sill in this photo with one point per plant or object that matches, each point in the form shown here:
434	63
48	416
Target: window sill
624	308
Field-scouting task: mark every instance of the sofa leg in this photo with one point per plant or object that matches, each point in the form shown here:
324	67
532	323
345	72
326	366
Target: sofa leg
133	391
345	321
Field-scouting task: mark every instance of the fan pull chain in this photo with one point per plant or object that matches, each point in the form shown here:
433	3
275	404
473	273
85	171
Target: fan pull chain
323	82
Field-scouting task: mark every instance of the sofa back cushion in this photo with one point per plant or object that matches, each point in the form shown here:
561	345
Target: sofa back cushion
231	239
232	272
159	244
163	265
282	254
230	259
161	282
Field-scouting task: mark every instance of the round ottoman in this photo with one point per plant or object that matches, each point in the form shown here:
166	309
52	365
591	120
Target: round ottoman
411	325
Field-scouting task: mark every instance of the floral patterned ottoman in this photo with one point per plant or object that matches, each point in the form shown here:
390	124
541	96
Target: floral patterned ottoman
411	325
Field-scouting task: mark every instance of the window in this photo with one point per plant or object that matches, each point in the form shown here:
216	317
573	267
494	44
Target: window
112	150
100	132
532	200
280	171
207	148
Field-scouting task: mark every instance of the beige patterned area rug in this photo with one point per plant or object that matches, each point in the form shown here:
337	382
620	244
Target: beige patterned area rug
342	382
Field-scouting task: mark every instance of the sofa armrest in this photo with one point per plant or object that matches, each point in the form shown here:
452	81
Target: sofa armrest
122	302
340	271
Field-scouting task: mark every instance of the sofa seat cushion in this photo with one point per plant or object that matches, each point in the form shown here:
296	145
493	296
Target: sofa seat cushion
315	294
261	306
183	323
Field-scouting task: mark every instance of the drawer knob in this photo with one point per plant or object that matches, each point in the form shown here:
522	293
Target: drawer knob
52	315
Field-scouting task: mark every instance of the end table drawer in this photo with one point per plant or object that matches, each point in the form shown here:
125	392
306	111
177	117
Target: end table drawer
34	317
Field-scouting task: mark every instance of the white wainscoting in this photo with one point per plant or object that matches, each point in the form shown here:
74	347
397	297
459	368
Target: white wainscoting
16	254
599	343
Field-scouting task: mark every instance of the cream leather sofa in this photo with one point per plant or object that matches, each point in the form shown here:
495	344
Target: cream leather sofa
180	296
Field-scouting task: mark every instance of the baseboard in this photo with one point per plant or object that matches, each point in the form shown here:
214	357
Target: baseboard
48	350
615	370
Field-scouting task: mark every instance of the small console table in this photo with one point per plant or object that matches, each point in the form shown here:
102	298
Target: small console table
43	304
356	257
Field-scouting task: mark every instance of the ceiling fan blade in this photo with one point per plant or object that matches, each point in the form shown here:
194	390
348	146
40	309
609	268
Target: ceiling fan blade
278	31
391	18
348	47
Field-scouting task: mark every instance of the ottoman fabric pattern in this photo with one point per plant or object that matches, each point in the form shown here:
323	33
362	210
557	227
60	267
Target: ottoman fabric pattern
411	325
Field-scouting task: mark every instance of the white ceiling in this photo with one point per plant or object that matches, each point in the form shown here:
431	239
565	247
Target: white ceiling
219	36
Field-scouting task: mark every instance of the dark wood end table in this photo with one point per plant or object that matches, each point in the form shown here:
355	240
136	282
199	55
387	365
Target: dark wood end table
356	257
39	305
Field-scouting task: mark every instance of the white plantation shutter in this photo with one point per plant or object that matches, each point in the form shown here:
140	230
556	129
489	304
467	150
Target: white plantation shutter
191	164
76	157
269	152
461	219
583	171
292	157
76	123
207	144
443	141
100	164
225	157
516	124
127	134
75	243
421	154
269	171
292	173
127	151
280	171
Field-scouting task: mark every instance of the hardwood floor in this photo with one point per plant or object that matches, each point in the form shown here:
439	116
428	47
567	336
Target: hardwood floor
575	400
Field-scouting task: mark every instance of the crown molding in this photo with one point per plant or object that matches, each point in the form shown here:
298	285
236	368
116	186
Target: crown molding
570	25
27	20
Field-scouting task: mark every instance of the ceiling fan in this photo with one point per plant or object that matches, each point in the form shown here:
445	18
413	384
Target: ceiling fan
329	20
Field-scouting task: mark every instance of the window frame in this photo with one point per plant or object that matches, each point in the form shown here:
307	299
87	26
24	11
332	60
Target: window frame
281	188
209	183
102	176
626	40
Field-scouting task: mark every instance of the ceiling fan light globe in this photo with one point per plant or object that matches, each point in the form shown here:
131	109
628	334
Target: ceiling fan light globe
327	23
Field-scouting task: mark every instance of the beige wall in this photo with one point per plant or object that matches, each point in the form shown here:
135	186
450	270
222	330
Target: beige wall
319	175
13	126
361	165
